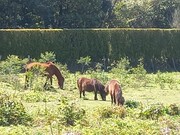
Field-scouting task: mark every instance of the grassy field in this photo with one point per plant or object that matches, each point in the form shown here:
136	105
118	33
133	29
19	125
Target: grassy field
43	106
152	104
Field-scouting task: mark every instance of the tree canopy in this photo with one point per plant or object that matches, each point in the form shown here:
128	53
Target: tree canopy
89	13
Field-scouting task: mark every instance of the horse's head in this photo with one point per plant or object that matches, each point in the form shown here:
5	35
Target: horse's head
61	83
101	88
122	100
102	92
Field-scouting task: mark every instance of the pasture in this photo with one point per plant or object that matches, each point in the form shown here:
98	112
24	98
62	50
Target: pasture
152	104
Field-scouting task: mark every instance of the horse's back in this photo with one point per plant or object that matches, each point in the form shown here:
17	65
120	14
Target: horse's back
116	92
86	84
98	85
36	64
113	87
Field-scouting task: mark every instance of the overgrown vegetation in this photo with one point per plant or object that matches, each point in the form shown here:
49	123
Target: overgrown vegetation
151	107
12	112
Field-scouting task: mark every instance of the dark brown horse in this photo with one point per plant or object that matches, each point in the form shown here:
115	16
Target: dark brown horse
91	85
114	89
50	70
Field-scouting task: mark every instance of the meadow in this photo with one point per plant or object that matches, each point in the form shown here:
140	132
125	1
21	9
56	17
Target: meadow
152	104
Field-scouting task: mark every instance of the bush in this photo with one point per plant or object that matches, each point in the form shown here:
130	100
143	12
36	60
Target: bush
153	111
12	112
163	79
12	65
47	56
131	104
121	67
173	109
69	112
111	112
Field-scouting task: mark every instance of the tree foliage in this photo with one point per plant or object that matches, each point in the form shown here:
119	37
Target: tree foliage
88	14
145	13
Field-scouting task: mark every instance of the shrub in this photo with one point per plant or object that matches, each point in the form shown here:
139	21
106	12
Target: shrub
69	112
162	79
121	67
12	65
111	112
32	96
173	109
139	71
12	112
47	56
13	80
131	104
84	61
153	111
100	75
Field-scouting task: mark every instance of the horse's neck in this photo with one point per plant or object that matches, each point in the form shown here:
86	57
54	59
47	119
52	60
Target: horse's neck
58	74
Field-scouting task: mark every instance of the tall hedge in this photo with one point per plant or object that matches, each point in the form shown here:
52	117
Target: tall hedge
70	44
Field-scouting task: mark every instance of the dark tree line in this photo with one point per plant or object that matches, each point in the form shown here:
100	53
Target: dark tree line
89	13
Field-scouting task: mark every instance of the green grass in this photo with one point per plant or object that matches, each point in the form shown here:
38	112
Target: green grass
43	107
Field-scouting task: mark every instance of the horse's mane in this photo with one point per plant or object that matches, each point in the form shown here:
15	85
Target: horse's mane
57	72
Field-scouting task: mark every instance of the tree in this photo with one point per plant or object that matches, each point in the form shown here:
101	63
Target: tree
87	13
163	12
145	13
19	14
176	19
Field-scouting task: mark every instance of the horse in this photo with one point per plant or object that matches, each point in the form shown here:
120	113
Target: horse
114	89
90	85
50	70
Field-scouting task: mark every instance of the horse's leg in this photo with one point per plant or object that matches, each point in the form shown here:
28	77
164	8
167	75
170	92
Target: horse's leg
80	93
26	82
117	100
95	95
46	81
84	93
80	88
95	90
51	80
112	99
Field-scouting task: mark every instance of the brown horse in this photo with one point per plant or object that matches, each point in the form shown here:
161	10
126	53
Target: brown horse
90	85
114	89
50	70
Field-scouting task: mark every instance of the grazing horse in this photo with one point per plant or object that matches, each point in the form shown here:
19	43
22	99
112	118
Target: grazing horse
50	70
90	85
114	89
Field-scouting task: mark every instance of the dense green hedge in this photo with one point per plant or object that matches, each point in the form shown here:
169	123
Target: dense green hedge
70	44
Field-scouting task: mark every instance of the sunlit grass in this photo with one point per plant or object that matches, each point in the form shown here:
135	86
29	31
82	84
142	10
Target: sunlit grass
42	105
